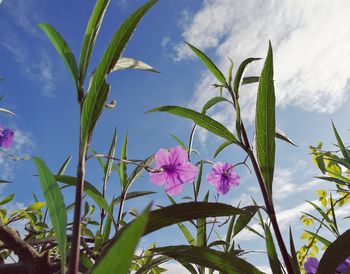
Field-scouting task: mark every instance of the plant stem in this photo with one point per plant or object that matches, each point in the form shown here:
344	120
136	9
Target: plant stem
268	203
75	245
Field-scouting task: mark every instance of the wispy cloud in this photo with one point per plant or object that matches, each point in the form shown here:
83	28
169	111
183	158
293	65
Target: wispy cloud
23	146
22	15
310	40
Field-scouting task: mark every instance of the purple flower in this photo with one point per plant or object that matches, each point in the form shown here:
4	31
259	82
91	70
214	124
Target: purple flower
344	266
311	266
6	137
222	176
173	169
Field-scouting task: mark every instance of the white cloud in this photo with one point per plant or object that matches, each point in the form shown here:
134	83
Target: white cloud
22	14
310	40
22	146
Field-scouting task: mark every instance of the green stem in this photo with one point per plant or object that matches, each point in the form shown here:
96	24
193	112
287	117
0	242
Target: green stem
75	244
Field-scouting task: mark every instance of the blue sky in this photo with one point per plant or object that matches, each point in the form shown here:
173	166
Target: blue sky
311	42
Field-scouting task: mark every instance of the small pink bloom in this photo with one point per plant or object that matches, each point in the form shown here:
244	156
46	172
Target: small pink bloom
6	137
173	170
222	176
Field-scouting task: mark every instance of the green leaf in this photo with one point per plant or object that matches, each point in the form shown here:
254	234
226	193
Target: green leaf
139	170
93	105
341	145
179	141
63	50
89	189
335	254
293	252
240	72
174	214
271	252
282	136
55	204
8	199
119	256
209	64
90	36
36	206
320	238
131	195
122	166
200	119
129	63
207	257
152	263
221	147
98	89
243	220
212	102
183	228
265	124
64	166
250	80
109	162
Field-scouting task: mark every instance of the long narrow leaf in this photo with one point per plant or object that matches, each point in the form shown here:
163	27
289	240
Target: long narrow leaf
173	214
271	252
89	189
62	48
209	64
98	89
200	119
209	258
240	72
335	254
56	206
265	124
90	36
119	256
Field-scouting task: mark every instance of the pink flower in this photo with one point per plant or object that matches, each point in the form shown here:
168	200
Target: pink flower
173	170
6	137
222	176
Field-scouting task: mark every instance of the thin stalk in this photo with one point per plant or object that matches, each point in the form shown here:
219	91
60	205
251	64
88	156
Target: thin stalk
269	204
75	245
267	200
103	214
121	206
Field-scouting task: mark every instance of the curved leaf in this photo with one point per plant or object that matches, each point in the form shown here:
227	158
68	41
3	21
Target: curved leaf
209	64
200	119
240	72
335	254
212	102
89	189
207	257
62	48
129	63
282	136
174	214
120	254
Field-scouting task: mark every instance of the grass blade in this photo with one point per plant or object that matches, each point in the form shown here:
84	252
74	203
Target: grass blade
56	206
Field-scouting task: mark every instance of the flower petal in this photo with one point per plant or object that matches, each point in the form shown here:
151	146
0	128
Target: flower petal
158	178
178	155
162	157
186	171
173	185
311	265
